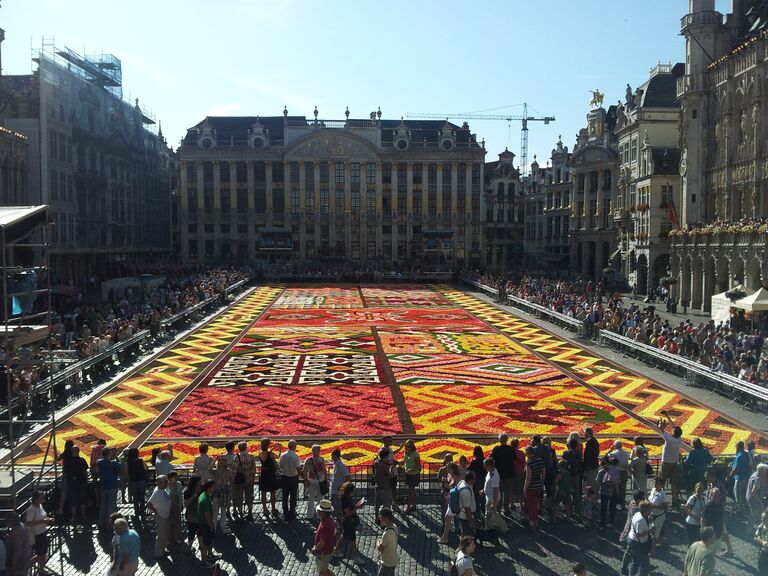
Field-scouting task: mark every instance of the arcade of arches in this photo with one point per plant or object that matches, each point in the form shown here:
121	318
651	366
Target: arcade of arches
700	276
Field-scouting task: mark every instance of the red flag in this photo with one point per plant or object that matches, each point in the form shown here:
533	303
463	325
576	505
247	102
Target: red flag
672	214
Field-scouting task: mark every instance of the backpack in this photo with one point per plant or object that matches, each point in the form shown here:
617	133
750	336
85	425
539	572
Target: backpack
454	502
452	570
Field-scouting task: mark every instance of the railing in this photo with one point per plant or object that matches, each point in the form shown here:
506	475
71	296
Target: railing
78	372
695	374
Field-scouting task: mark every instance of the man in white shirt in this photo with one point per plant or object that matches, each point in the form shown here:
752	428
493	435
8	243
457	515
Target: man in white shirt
160	503
203	464
340	475
639	539
670	455
622	457
290	465
491	486
467	504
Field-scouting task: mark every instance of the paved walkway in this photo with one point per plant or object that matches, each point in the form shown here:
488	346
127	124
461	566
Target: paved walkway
274	547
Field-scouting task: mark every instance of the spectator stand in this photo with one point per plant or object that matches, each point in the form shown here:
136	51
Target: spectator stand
693	373
67	374
26	326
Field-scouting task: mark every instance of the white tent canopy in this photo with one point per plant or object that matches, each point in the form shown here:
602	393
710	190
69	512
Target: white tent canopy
754	302
721	308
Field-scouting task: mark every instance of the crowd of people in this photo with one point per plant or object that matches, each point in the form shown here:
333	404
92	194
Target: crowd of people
87	329
484	496
718	346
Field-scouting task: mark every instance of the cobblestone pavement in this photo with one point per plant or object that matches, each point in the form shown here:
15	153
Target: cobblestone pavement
273	546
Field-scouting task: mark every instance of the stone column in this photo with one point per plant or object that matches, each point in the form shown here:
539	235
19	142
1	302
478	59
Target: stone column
200	213
184	210
251	213
302	210
377	218
347	216
217	237
598	273
316	172
439	190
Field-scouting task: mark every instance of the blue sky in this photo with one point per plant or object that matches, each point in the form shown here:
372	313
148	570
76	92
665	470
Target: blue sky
186	59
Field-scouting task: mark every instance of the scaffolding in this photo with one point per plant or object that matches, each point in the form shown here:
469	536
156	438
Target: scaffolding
28	357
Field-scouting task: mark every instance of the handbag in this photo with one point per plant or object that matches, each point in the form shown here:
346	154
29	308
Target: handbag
323	484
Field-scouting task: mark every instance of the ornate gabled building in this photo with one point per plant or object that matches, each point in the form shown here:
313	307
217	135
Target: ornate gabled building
503	235
594	165
647	130
557	210
370	192
724	163
535	219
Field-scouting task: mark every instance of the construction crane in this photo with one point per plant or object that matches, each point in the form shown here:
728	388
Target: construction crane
524	118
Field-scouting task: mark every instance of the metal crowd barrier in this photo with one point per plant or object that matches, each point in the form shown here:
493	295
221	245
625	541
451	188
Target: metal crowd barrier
695	374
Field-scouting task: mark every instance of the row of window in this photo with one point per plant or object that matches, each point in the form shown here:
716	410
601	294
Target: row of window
340	174
213	250
61	188
593	181
278	201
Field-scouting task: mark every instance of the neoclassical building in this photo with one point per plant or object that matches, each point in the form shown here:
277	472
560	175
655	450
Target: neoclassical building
373	192
594	174
503	237
647	129
724	162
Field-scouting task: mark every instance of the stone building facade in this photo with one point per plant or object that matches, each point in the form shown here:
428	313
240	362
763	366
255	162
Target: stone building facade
503	237
724	162
647	130
557	210
96	160
14	168
535	218
594	166
371	192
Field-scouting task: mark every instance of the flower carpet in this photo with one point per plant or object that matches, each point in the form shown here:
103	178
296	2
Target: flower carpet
343	365
435	364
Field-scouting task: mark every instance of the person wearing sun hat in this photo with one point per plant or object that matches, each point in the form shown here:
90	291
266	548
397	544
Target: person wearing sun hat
325	538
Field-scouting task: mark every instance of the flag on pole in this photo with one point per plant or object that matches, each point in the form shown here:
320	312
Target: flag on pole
672	213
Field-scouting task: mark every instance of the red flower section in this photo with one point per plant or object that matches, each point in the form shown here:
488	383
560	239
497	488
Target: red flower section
284	411
418	318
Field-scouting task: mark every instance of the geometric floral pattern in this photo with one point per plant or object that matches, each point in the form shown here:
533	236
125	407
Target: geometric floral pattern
410	369
343	365
642	396
125	410
298	369
319	297
399	296
373	317
466	409
284	411
303	340
468	341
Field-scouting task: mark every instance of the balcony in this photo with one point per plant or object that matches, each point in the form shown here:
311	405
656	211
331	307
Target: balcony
709	18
